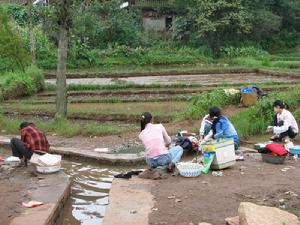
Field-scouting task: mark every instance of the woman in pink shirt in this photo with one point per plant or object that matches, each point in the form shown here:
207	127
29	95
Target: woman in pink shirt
157	141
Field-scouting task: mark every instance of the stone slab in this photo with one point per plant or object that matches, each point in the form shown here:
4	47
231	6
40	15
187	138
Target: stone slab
53	191
252	214
130	202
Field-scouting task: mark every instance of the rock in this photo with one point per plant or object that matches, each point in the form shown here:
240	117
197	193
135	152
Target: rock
251	214
232	220
178	200
204	223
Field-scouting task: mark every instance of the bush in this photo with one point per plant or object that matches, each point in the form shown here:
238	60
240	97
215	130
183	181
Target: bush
251	51
21	84
45	51
200	104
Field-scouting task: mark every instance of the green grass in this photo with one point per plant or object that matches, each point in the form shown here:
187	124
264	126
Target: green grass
90	109
67	128
84	87
21	83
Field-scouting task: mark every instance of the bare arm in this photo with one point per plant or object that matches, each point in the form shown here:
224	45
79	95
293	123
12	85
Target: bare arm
167	138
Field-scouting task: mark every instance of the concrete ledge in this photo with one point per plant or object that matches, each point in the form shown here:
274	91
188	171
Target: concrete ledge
130	202
53	191
104	158
90	155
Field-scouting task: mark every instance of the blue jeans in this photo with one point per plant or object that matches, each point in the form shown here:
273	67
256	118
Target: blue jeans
163	160
207	128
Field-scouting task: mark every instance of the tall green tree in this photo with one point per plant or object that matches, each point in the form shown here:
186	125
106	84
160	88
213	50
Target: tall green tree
214	21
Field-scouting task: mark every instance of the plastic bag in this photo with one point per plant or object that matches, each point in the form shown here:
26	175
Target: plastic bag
49	160
208	158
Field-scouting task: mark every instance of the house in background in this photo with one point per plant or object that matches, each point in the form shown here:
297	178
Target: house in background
157	14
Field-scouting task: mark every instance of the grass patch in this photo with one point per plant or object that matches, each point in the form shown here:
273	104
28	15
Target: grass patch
91	87
90	109
66	128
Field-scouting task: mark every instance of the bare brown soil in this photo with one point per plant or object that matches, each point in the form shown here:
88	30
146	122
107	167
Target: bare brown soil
212	199
149	91
103	118
172	73
167	73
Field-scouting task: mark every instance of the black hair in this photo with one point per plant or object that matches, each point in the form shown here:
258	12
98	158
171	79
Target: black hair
215	112
25	124
280	104
145	119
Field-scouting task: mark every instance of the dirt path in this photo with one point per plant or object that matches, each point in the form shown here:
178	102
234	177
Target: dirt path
212	199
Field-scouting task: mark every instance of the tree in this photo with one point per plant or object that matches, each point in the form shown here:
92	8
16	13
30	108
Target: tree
63	9
31	35
214	21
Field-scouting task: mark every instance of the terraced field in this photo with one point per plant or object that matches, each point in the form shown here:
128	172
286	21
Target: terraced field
114	100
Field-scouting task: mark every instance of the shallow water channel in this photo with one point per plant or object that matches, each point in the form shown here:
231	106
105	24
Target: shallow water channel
89	192
90	184
89	196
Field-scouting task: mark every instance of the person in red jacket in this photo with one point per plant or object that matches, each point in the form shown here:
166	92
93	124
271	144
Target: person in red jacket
32	140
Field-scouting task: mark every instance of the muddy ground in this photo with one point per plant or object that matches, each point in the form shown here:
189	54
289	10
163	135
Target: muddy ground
15	187
203	79
185	201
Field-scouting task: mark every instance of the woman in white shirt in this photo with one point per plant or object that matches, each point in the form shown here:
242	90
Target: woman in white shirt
285	124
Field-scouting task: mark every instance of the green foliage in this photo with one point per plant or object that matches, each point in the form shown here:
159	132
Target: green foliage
214	21
21	84
118	86
200	104
256	119
12	49
232	52
19	13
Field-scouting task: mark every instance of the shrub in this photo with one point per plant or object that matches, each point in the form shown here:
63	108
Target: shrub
200	104
21	84
251	51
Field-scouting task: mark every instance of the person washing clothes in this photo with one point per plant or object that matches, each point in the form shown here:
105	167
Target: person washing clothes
222	127
32	140
156	142
205	126
284	124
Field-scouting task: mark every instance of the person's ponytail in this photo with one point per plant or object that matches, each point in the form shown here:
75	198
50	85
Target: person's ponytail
145	119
